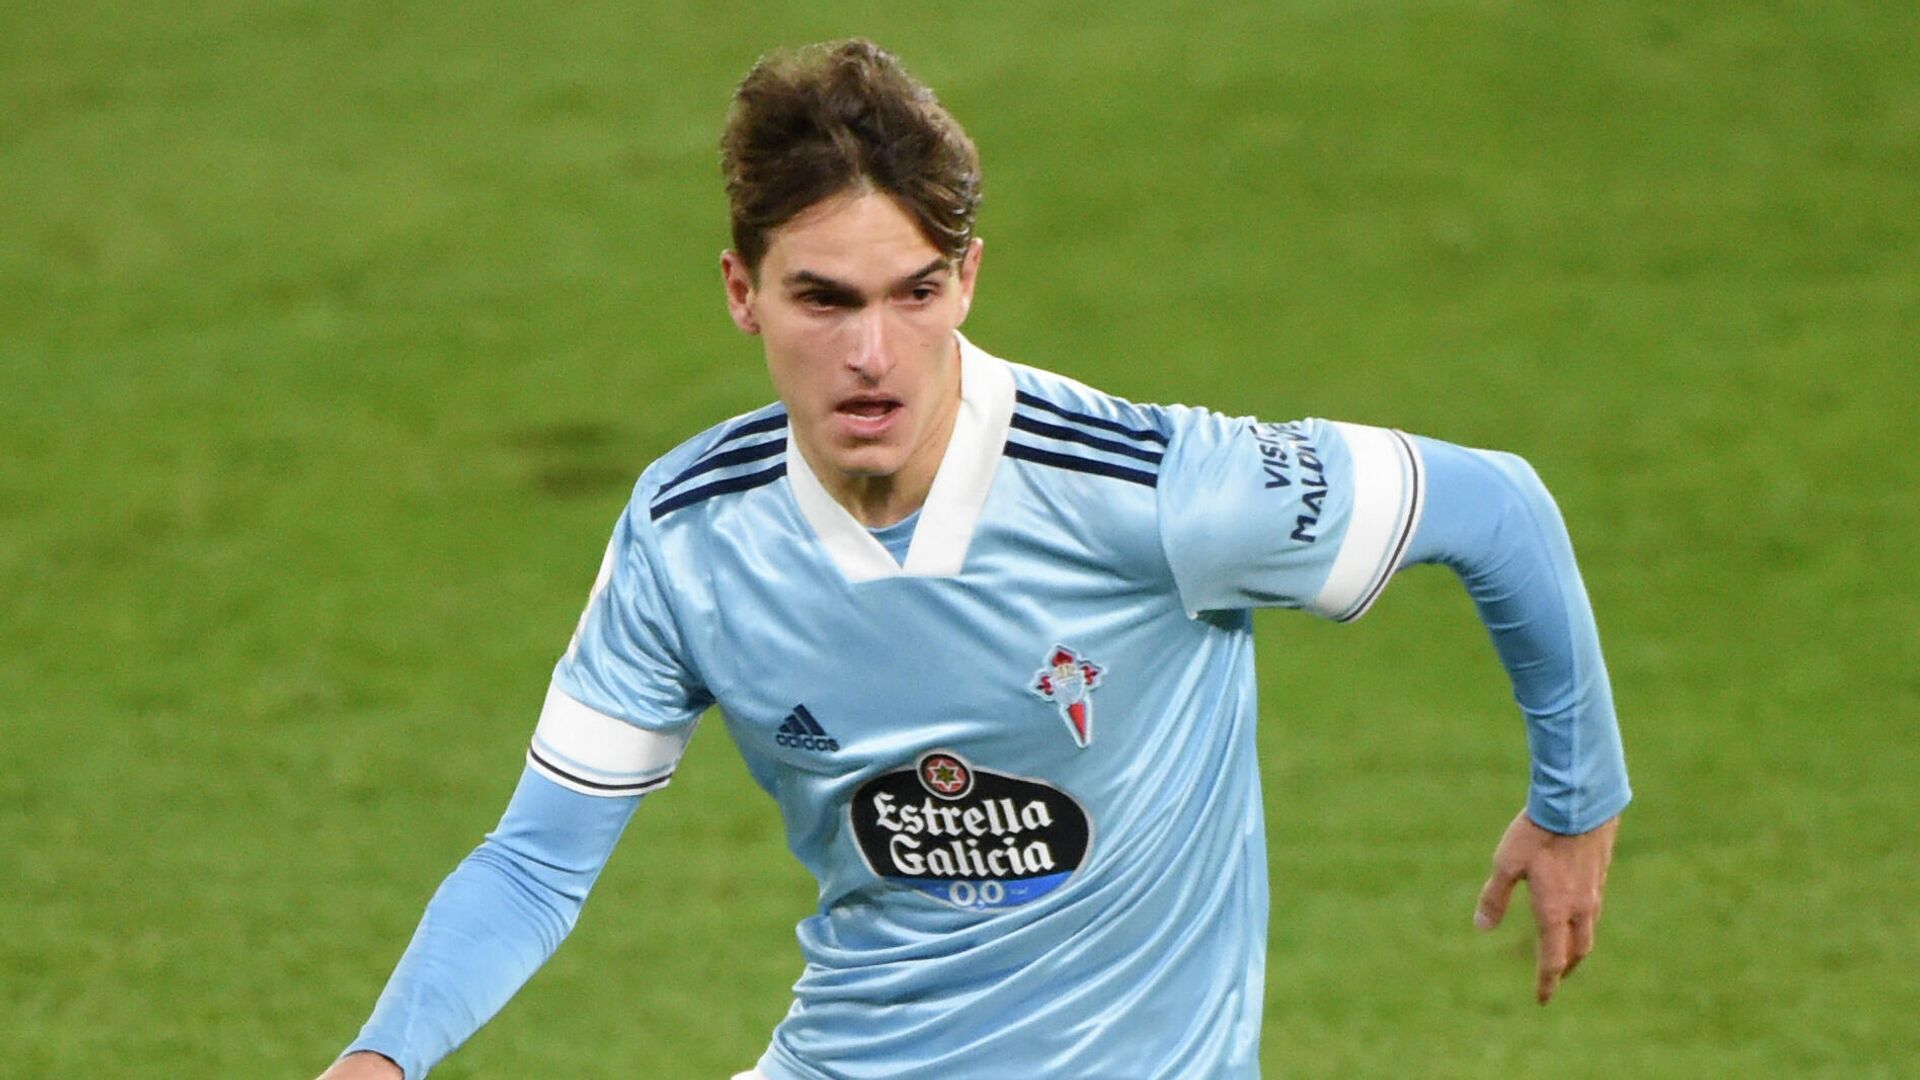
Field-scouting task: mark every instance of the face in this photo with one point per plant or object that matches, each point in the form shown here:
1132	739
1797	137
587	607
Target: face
857	313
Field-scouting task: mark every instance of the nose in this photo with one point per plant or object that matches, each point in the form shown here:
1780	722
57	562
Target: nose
870	358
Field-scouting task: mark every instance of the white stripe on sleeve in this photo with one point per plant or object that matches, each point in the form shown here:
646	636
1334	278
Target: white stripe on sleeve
1388	491
590	752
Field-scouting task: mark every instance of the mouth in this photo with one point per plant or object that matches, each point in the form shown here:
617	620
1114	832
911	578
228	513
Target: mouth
867	415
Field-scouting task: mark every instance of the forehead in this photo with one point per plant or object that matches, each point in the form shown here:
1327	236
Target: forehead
862	239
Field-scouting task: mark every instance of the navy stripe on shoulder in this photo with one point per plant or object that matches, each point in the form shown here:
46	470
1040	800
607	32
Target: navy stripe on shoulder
1101	422
754	427
739	455
1079	464
1059	431
719	487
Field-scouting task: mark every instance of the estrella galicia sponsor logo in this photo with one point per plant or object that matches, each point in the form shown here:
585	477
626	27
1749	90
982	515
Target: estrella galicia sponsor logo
802	732
968	836
1288	458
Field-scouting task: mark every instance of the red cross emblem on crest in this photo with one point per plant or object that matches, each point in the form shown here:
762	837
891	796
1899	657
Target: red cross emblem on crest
1068	680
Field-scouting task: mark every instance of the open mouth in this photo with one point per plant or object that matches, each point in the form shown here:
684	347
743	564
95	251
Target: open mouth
868	413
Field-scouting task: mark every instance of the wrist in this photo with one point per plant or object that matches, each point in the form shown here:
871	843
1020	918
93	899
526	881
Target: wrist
364	1065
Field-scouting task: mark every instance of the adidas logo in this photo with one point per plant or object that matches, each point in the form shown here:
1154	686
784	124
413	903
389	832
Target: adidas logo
802	732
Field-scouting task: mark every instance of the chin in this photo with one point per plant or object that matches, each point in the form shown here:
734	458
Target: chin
869	462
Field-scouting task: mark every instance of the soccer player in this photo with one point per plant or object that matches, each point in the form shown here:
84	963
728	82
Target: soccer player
1043	854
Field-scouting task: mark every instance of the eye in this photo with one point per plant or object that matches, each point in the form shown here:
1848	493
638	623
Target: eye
923	292
819	300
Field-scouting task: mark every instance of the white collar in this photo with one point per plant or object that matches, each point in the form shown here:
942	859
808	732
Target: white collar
954	502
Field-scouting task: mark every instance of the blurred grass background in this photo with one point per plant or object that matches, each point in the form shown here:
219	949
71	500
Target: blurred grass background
331	337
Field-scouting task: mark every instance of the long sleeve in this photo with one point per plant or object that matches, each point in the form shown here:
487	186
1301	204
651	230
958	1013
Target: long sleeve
1489	518
494	921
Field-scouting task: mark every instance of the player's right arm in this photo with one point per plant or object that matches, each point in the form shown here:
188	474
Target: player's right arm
617	717
494	920
489	927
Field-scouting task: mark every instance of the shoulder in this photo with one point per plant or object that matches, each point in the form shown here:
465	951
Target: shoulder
1066	424
736	455
1081	473
1047	394
1150	442
1047	397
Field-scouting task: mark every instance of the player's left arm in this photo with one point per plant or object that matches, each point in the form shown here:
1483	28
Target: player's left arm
1488	517
1318	515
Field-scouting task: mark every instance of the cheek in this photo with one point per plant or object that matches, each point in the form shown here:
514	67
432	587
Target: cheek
798	368
788	377
800	338
929	330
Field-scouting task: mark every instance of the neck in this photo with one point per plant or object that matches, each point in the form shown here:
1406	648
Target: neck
877	501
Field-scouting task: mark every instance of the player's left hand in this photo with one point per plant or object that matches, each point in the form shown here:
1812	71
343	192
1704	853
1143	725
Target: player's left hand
1565	877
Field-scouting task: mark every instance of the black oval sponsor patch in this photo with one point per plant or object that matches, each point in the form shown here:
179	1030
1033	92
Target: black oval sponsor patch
971	837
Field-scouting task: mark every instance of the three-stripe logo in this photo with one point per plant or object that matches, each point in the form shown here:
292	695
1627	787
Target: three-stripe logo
802	732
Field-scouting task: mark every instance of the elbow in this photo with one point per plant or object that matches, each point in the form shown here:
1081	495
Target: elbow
1519	474
1527	499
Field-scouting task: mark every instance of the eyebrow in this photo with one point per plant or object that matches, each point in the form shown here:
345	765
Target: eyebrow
808	277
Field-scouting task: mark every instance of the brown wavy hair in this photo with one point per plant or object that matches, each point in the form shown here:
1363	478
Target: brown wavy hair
844	116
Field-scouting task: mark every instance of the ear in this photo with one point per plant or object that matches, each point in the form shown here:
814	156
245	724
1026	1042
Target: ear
740	292
969	271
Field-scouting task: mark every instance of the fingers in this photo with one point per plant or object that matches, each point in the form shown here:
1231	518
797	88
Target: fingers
1580	939
1494	896
1511	857
1565	940
1555	946
1563	944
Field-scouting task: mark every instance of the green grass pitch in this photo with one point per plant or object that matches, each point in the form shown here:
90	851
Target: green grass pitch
332	335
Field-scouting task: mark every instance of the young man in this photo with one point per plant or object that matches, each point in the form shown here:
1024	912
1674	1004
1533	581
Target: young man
1045	857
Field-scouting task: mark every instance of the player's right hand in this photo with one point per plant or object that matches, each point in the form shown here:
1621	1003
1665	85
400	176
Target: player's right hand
364	1065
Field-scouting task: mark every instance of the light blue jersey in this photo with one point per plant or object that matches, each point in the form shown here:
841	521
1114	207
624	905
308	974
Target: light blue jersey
1012	739
1019	762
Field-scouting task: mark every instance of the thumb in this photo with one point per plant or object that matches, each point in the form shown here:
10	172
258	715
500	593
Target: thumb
1493	899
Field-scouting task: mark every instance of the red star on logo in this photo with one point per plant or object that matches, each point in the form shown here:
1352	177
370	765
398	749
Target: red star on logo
945	775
